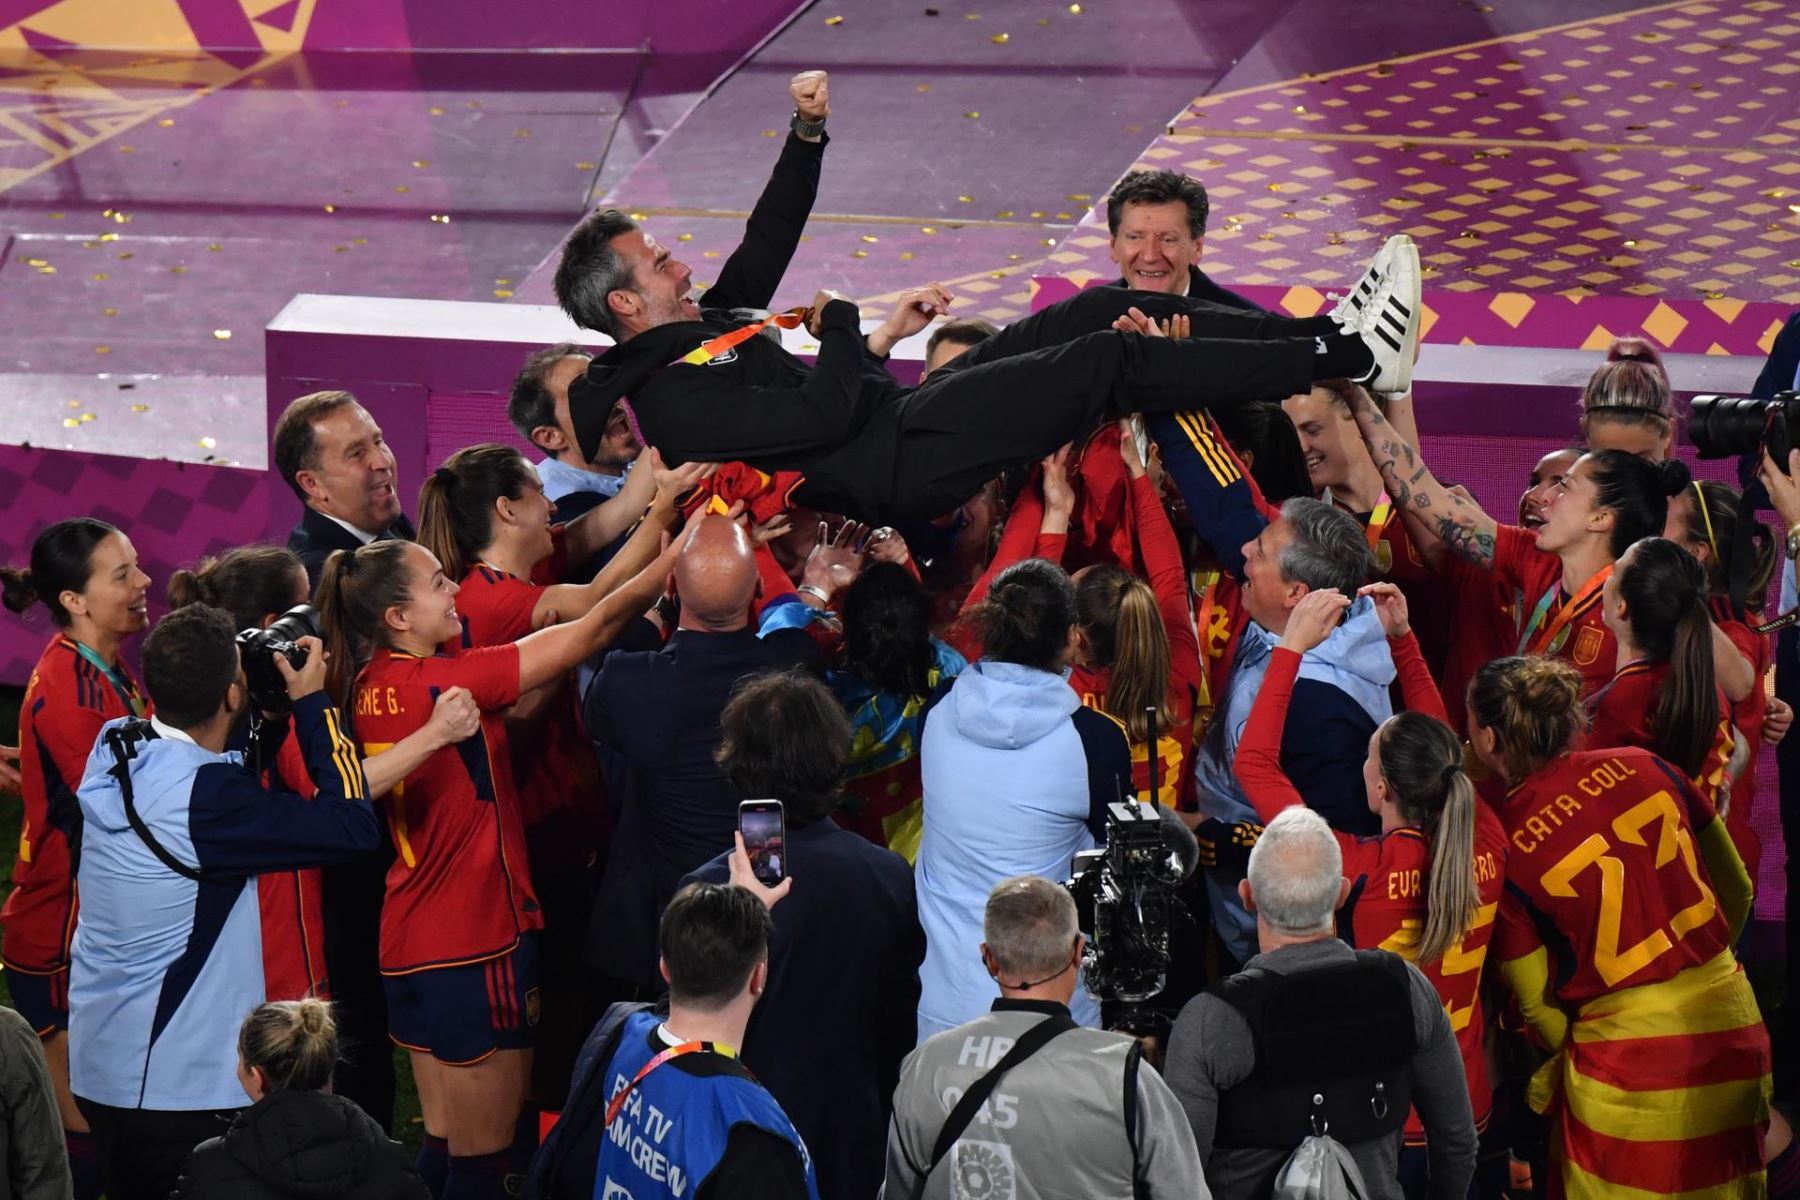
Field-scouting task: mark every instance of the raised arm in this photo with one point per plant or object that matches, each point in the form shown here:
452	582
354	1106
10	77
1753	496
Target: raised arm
569	599
1258	762
1161	552
753	272
550	652
1459	522
1418	688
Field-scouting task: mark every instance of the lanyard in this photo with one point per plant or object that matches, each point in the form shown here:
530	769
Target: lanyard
1379	519
1553	637
618	1101
708	350
1207	583
127	694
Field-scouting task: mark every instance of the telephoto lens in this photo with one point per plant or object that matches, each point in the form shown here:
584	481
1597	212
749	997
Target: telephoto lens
257	649
1730	426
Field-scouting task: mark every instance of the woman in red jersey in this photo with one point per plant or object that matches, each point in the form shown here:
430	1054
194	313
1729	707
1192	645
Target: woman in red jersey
1704	519
459	922
1428	886
1664	696
256	585
484	515
1623	895
85	572
1606	501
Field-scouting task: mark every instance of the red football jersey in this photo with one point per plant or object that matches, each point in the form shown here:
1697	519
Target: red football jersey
459	890
67	700
1389	877
1603	871
1747	717
1621	717
1583	640
293	924
559	781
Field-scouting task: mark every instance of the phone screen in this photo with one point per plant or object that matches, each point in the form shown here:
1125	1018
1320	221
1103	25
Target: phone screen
765	838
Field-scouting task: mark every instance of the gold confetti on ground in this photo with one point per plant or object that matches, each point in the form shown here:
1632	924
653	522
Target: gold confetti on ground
503	293
441	218
420	163
928	230
178	270
109	312
684	237
215	247
972	116
166	122
102	349
1000	39
923	87
331	208
1076	9
58	216
140	408
436	110
869	237
98	277
586	166
859	254
906	255
965	199
223	335
834	20
521	132
771	132
207	443
401	187
70	422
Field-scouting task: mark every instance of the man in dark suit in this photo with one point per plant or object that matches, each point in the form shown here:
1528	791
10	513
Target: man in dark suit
655	715
330	451
848	930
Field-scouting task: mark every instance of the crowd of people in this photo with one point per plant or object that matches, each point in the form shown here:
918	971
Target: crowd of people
1470	798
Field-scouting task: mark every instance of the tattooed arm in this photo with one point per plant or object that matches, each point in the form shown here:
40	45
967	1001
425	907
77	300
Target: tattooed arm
1455	519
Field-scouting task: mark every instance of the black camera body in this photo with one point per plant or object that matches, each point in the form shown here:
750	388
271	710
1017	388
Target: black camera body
1733	426
1126	903
258	648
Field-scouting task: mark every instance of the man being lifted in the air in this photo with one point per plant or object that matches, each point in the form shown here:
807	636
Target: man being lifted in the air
701	385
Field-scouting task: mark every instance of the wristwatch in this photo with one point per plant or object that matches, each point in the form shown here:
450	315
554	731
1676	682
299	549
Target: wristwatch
1793	541
804	127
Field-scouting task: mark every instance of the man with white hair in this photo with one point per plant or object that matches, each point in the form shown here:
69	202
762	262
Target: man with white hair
1314	1037
1022	1102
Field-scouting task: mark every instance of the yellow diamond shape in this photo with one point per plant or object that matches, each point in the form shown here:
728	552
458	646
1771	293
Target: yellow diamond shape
1600	339
1664	323
1303	301
1511	307
1726	310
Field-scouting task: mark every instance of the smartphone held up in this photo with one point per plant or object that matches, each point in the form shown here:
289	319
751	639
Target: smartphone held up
764	826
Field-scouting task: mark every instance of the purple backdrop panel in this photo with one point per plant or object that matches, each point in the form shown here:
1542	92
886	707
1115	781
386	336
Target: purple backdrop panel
174	513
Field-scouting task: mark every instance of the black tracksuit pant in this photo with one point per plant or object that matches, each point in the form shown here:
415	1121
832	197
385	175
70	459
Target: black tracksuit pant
1037	383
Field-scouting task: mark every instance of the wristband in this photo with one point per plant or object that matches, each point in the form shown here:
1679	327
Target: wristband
806	128
817	593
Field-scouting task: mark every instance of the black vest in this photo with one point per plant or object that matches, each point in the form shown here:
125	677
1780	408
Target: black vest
1334	1050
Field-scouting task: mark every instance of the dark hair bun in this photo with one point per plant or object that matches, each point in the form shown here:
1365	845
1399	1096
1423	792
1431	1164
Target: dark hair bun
1674	475
16	591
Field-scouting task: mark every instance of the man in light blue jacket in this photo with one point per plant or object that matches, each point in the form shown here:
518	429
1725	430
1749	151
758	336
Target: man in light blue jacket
1017	776
167	959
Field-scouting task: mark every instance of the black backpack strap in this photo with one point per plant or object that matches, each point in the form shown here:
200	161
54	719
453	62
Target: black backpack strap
1134	1058
123	741
1029	1043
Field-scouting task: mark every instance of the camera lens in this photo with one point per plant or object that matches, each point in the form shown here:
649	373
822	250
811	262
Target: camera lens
1726	426
300	621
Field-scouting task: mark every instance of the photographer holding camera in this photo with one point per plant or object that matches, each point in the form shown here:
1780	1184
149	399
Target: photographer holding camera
319	926
168	953
1024	1099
